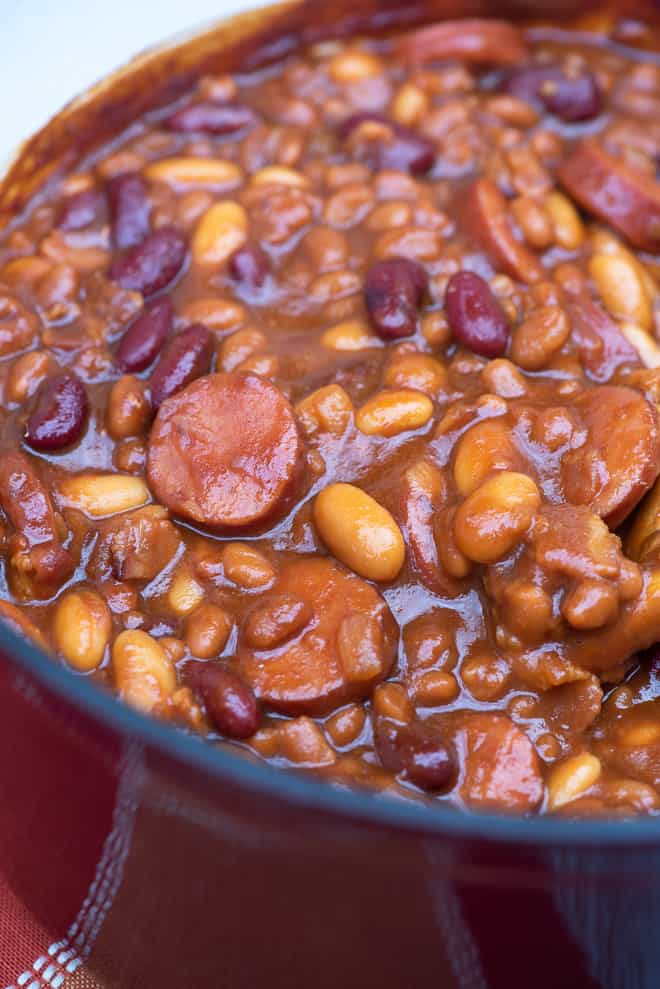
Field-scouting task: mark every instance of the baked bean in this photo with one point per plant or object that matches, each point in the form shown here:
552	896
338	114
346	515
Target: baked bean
153	264
143	675
359	531
185	594
539	337
239	346
81	209
276	620
486	447
222	231
534	221
391	700
410	104
485	676
351	335
392	412
145	336
571	778
60	414
98	495
418	372
417	752
229	701
186	172
384	144
568	228
436	688
129	209
187	357
207	630
475	317
129	410
250	267
211	118
393	290
567	94
492	520
621	289
247	567
27	374
346	725
591	604
82	628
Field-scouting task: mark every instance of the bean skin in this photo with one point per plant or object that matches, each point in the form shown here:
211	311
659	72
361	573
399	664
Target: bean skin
394	289
229	701
59	416
476	318
145	336
211	118
153	264
187	357
129	210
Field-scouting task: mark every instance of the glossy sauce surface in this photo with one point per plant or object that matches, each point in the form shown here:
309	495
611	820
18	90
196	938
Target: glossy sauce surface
329	400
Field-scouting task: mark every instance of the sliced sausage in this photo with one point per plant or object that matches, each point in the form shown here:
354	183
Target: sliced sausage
601	344
39	564
485	218
613	191
501	770
482	41
225	451
346	645
620	459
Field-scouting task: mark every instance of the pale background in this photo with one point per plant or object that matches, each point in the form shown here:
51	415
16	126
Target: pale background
53	49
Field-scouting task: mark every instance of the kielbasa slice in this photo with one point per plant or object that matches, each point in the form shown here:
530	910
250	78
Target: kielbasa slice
39	564
501	770
485	218
346	645
225	451
613	191
621	457
484	41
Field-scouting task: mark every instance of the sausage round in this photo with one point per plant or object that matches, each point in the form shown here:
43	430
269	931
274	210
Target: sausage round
225	451
346	645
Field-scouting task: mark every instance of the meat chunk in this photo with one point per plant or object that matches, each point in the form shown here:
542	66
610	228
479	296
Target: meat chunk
482	41
225	451
38	562
344	645
486	219
136	546
625	198
620	460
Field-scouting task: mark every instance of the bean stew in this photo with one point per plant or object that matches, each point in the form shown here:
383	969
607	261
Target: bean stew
330	396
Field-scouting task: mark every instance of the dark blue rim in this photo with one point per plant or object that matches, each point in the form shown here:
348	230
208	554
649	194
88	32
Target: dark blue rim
305	791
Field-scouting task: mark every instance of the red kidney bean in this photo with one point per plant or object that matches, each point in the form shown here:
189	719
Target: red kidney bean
229	701
81	210
130	209
393	290
401	148
211	118
153	264
60	413
145	336
417	751
475	317
187	357
569	97
250	267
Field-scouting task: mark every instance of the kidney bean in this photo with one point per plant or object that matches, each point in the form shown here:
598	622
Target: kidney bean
250	267
211	118
229	701
399	147
153	264
187	357
417	751
569	97
145	336
475	317
81	210
394	289
129	209
60	413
